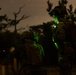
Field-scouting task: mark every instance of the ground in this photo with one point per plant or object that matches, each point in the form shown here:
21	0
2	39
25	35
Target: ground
52	70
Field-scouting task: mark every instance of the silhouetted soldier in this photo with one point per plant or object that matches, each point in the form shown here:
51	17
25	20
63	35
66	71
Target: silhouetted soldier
63	39
34	52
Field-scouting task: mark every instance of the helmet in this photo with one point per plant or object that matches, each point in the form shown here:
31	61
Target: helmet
31	36
59	11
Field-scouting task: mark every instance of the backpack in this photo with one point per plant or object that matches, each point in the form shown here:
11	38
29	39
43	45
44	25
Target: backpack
65	36
34	54
65	31
60	32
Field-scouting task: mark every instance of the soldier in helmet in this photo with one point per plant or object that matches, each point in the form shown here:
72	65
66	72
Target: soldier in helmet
63	39
34	51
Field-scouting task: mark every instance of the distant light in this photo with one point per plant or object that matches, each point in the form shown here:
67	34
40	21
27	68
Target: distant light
53	26
3	50
12	49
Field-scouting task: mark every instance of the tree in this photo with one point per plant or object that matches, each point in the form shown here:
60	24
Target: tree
68	12
3	22
8	40
72	14
14	22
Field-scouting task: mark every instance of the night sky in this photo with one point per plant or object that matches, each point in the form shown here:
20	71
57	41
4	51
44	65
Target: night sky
35	8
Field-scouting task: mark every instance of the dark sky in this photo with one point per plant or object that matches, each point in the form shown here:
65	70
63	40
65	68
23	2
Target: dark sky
35	8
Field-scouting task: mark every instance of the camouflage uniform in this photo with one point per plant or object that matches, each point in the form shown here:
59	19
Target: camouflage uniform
65	49
34	53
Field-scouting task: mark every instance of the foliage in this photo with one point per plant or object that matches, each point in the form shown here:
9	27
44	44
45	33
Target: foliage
8	40
3	21
14	22
68	13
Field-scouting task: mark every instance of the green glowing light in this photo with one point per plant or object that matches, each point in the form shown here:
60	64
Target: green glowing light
53	39
56	19
36	36
56	45
57	22
54	26
60	58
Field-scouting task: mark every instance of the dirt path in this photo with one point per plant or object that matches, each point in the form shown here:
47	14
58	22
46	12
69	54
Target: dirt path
55	71
52	70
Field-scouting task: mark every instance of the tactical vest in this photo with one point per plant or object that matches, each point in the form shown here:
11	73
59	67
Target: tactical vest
34	54
65	36
65	31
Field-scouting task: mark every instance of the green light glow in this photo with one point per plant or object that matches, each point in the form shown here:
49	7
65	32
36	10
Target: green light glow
56	45
53	39
60	58
36	36
57	22
56	19
54	26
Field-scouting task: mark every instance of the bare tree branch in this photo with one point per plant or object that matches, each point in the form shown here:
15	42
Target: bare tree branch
19	10
24	17
15	21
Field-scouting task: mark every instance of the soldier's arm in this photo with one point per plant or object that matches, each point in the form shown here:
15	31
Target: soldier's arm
42	50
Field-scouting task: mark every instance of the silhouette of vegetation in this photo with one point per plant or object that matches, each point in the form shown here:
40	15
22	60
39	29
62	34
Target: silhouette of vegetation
70	14
3	22
14	22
